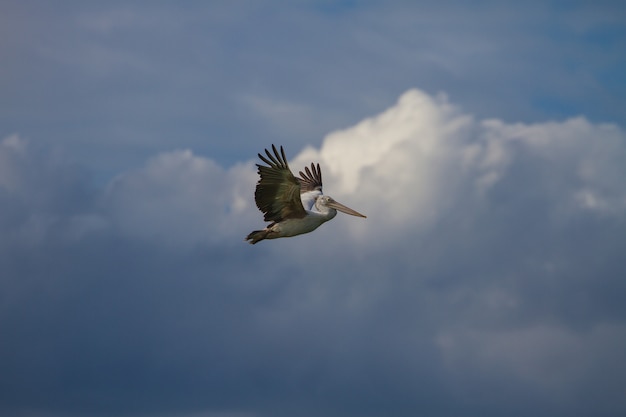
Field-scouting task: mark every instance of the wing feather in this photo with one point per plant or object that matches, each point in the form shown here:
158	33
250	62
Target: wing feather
311	179
277	193
310	185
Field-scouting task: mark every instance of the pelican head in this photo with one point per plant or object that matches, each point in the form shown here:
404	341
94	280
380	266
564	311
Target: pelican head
323	203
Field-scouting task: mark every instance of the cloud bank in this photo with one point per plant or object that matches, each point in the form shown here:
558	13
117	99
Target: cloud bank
487	279
119	82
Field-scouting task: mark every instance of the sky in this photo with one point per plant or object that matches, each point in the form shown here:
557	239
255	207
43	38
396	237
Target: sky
485	142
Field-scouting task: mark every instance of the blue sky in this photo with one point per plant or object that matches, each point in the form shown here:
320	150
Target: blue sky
484	142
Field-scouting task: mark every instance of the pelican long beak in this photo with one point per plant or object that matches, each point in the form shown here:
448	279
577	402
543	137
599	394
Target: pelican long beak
344	209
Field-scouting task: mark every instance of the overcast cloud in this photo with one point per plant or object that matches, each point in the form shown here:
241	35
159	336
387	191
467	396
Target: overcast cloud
119	82
487	279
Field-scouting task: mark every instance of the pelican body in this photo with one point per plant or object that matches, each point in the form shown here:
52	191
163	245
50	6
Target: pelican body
293	205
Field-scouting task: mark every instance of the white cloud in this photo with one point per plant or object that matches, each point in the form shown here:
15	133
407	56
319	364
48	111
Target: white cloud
408	168
423	160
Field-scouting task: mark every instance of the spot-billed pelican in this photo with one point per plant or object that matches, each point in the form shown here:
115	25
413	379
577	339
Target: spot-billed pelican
293	205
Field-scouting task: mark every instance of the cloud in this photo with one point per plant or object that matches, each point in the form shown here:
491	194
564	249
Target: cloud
423	162
39	194
116	83
488	277
179	198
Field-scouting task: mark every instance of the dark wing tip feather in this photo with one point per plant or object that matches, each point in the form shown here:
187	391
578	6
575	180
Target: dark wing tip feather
282	152
276	160
319	173
262	158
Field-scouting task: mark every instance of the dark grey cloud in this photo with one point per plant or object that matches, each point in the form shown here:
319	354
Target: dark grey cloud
487	279
121	81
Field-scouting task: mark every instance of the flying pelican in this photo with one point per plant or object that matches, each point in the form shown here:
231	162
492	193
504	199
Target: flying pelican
293	205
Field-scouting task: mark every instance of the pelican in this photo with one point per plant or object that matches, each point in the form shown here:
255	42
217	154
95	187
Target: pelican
293	205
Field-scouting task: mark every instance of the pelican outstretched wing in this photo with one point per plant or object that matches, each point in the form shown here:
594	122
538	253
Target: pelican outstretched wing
312	179
311	185
277	193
